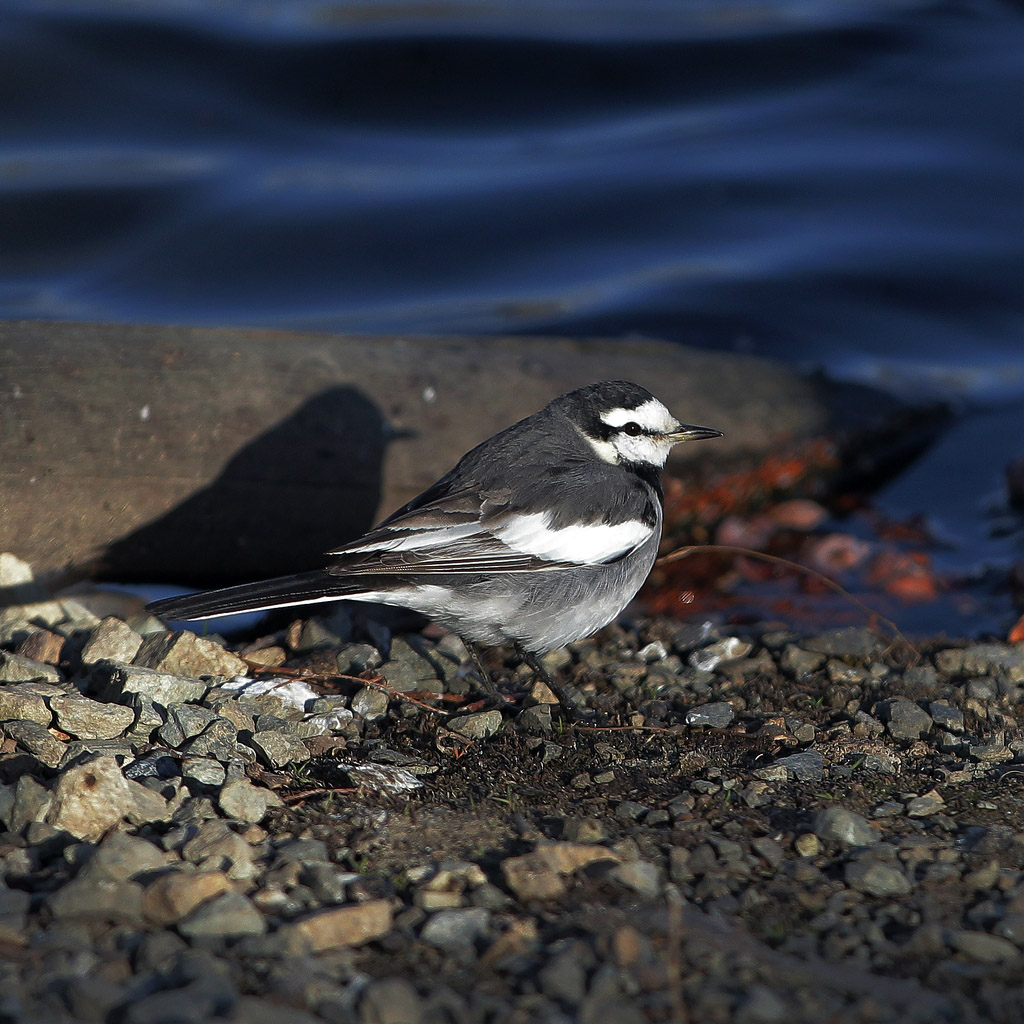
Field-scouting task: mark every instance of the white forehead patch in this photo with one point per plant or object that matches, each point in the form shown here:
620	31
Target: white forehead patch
651	415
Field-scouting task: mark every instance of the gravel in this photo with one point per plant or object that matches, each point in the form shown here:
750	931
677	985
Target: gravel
757	826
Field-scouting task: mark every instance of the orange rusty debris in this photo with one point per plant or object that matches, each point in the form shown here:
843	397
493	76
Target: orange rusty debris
1016	635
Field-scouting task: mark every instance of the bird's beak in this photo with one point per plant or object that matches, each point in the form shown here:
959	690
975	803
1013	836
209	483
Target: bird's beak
686	432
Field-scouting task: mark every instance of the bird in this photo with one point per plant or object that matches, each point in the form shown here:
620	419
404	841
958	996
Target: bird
536	538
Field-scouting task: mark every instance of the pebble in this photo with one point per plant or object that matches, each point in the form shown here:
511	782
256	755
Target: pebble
163	688
185	654
24	702
947	717
42	645
876	879
640	876
16	669
842	826
846	642
229	915
339	927
240	800
717	715
318	633
904	720
714	655
370	704
926	805
111	640
215	845
104	899
799	662
28	801
807	845
407	670
982	947
456	931
204	771
541	874
218	740
806	766
183	722
90	719
276	749
120	856
390	1001
476	726
37	740
92	798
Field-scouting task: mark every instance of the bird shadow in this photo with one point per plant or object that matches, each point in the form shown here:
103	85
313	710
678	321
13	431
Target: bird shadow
306	485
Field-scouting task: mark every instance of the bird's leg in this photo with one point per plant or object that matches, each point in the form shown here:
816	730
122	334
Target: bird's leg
493	693
568	705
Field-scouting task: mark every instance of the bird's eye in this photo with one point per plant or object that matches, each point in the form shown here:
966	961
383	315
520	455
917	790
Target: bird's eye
633	429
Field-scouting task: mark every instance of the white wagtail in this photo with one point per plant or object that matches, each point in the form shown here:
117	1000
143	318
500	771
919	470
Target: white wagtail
538	537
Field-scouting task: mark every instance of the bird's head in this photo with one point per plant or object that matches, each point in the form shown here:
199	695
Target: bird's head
626	425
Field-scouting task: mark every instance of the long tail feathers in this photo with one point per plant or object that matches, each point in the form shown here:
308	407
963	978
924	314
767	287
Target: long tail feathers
247	597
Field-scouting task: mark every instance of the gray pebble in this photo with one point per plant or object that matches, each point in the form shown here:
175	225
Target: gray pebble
357	658
876	879
370	703
227	916
641	876
24	702
84	899
564	976
241	800
846	642
798	662
275	749
925	805
29	801
164	688
185	654
717	715
37	740
630	810
840	825
120	856
982	947
456	930
476	726
536	720
16	669
204	770
111	640
90	719
218	740
318	633
390	1001
407	670
184	721
904	719
807	765
729	648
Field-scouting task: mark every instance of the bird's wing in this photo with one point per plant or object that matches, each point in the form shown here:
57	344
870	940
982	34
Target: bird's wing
464	533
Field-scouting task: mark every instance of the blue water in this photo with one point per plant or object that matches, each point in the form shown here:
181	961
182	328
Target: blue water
832	183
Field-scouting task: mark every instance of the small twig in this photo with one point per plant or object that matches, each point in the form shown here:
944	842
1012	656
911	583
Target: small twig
305	794
377	682
691	549
381	684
